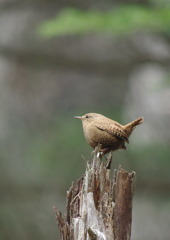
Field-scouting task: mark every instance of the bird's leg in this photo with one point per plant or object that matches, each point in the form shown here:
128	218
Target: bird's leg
105	150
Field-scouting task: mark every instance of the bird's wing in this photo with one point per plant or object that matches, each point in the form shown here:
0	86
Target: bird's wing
113	130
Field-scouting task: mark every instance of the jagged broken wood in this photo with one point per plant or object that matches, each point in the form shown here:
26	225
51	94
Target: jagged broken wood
98	207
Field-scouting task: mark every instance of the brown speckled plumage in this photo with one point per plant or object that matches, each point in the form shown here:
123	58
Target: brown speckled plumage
110	134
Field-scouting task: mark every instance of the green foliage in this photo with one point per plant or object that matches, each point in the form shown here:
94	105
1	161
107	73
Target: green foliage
121	20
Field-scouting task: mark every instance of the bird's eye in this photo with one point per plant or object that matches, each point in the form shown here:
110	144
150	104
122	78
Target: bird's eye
87	116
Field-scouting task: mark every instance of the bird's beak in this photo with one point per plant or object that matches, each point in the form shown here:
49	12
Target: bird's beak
78	117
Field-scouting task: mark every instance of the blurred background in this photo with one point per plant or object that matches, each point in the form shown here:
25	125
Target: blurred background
64	58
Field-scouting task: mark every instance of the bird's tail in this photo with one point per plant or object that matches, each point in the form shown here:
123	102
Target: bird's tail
128	128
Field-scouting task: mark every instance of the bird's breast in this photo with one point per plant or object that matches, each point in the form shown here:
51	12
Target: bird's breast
90	134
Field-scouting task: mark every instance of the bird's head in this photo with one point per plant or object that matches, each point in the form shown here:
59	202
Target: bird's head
88	117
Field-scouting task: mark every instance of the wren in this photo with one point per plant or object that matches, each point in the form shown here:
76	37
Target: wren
107	133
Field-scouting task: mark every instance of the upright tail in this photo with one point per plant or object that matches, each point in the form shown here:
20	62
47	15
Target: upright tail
128	128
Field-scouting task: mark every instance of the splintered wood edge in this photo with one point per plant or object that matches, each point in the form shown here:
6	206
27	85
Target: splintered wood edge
122	182
123	194
60	220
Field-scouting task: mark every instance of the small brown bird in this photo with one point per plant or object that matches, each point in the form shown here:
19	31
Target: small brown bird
109	134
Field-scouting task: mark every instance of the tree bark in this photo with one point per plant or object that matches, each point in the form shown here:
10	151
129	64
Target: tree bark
98	207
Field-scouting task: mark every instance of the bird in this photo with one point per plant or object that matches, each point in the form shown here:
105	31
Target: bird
105	133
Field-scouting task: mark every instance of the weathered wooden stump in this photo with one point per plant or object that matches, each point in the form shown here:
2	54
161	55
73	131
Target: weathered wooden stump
98	207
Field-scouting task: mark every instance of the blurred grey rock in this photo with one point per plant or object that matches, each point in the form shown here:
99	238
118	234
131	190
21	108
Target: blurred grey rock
149	95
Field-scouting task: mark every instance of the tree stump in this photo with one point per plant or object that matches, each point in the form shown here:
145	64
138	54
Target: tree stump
98	207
